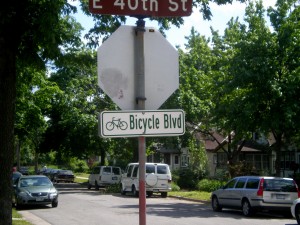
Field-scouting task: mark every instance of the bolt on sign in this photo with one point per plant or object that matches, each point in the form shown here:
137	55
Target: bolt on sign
148	8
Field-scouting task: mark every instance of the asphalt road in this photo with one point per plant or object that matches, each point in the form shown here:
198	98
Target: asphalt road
80	206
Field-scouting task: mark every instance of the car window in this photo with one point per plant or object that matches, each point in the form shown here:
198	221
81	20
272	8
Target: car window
230	184
150	169
106	170
252	183
279	185
135	171
162	170
36	181
241	183
129	171
68	172
116	171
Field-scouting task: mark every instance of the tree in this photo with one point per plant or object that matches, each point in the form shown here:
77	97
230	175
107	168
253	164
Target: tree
240	81
44	31
39	34
256	86
282	117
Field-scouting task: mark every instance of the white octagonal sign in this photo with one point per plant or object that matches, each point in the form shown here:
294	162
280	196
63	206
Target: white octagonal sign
116	68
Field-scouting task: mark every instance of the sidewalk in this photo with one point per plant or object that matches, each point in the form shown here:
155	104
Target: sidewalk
32	218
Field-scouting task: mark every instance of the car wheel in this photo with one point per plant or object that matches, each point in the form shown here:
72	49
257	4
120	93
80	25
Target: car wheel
149	193
297	213
89	186
123	192
54	204
96	185
135	192
246	208
18	206
164	194
215	204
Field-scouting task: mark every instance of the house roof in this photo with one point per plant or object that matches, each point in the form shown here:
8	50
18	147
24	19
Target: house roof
214	144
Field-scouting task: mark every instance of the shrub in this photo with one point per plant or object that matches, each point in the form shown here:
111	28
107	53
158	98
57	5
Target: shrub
114	188
175	176
209	185
78	166
175	187
188	179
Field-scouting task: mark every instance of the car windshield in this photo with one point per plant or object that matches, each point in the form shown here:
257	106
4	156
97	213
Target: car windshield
34	181
66	172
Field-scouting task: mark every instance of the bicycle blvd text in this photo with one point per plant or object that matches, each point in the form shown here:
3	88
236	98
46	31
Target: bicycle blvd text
142	123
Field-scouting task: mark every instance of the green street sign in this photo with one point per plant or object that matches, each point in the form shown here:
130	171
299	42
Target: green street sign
134	123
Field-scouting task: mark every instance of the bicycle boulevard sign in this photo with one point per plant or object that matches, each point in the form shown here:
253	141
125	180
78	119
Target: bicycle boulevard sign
141	123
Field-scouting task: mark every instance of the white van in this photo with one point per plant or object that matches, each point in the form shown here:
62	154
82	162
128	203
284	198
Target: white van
104	176
158	179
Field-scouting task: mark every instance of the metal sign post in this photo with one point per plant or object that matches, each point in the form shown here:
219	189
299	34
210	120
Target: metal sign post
115	68
139	62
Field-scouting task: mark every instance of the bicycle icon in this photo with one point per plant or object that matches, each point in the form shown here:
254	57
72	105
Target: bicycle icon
116	123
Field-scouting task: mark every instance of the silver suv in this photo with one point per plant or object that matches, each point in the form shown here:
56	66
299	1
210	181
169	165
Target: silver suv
104	176
254	193
158	179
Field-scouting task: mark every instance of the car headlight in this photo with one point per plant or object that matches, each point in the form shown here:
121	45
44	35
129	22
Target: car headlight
23	194
52	195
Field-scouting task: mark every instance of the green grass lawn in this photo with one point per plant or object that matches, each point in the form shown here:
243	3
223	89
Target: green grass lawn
81	177
194	195
17	218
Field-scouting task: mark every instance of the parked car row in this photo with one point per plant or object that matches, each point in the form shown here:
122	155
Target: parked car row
250	194
158	178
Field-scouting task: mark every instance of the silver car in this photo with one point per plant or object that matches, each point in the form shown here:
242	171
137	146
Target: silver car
295	210
34	190
256	193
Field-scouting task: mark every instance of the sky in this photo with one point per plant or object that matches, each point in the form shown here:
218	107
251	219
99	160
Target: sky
177	36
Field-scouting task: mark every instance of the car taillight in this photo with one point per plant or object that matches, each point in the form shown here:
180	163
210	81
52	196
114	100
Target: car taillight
260	191
297	189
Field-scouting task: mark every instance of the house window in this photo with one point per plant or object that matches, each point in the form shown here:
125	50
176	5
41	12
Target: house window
215	159
176	159
221	159
258	161
184	161
287	160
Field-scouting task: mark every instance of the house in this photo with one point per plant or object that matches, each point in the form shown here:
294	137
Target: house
254	152
175	158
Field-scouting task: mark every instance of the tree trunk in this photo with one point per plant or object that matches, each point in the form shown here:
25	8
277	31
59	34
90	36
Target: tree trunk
36	162
277	148
102	157
7	113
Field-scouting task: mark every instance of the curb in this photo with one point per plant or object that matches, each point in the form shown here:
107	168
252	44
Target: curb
33	218
191	200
